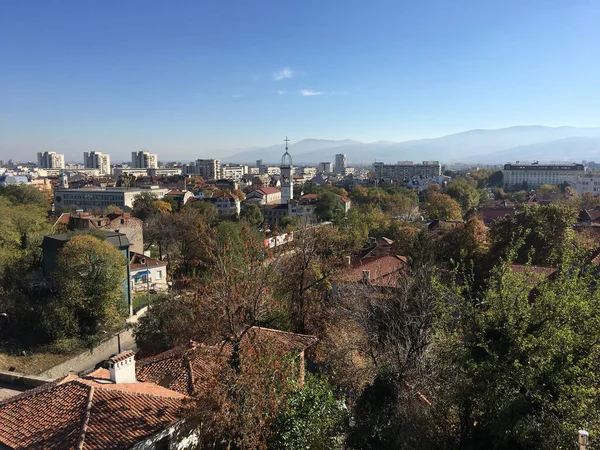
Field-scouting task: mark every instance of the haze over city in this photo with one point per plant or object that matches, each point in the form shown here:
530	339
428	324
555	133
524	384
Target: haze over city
205	79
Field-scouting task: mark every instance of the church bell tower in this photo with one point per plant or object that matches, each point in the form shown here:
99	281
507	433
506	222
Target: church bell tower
287	181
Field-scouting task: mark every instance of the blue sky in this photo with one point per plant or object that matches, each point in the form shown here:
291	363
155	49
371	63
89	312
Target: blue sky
199	78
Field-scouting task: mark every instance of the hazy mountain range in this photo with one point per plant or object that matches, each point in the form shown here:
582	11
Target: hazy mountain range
525	143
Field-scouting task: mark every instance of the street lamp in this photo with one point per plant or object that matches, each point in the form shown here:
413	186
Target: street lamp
583	439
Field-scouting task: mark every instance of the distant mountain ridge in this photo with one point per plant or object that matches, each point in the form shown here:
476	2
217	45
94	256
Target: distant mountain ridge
474	146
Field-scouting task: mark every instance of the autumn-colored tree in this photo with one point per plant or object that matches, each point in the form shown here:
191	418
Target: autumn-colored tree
161	206
317	253
441	206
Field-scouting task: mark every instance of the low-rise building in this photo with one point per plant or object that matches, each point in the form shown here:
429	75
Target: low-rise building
227	204
264	196
181	197
147	274
133	404
99	198
124	223
586	183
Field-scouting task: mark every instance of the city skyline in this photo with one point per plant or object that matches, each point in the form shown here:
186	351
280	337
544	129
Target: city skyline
191	79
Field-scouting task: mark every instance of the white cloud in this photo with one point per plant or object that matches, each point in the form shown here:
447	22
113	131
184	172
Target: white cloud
281	92
310	93
282	74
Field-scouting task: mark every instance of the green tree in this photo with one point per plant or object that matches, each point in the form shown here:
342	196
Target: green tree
89	275
252	214
521	367
312	418
542	235
464	193
328	206
207	209
441	206
497	179
144	205
19	194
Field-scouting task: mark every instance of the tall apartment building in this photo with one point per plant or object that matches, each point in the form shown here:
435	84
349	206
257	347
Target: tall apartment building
208	168
406	170
325	168
341	162
144	160
234	172
50	160
532	176
97	160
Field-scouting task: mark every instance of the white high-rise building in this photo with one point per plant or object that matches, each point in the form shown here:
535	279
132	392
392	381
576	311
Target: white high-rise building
341	162
97	160
286	180
144	160
50	160
208	168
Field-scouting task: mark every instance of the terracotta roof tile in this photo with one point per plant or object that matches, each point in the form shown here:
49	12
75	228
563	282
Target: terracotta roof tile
121	356
77	413
184	369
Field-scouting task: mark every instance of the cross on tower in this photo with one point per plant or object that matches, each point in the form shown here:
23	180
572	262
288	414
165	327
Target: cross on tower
286	140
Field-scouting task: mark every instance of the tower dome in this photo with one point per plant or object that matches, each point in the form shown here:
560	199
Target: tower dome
286	159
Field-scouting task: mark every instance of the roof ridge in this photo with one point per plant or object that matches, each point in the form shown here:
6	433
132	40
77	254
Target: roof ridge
125	391
86	419
281	331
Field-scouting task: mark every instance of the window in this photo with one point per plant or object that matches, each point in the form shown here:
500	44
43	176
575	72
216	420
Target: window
159	274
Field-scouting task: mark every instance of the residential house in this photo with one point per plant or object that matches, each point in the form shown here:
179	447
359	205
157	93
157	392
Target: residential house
124	223
183	369
374	266
264	196
131	405
106	409
147	273
227	203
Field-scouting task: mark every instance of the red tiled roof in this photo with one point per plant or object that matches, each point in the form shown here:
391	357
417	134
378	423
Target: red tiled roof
136	261
121	356
383	270
175	192
184	368
489	215
268	190
76	414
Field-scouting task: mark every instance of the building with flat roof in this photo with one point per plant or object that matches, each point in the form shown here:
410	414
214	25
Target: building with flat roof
532	176
144	160
97	160
406	170
341	163
99	198
208	168
50	160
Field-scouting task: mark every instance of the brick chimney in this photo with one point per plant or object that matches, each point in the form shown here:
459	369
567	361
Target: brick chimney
122	367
